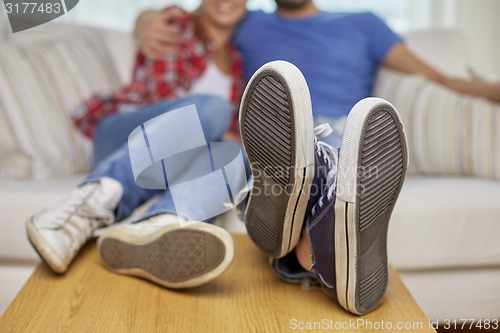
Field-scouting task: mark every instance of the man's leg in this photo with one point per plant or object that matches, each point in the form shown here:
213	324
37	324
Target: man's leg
113	131
347	212
337	125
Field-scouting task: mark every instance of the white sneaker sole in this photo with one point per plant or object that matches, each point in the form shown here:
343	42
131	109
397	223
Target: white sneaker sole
173	256
372	167
278	136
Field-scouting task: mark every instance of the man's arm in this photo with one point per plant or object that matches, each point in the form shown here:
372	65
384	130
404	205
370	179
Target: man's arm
402	59
156	33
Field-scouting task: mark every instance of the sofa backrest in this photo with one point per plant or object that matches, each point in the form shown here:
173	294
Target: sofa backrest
47	71
44	74
448	133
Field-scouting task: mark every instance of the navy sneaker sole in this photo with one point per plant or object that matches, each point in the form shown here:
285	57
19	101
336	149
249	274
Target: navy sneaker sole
372	167
277	132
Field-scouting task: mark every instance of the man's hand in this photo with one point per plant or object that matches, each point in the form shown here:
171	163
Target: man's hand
157	33
402	59
497	91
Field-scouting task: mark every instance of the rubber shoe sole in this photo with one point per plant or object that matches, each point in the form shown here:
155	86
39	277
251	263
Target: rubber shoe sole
173	256
278	136
57	262
372	168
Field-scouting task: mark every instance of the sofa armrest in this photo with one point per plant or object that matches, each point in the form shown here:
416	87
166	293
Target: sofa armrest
448	133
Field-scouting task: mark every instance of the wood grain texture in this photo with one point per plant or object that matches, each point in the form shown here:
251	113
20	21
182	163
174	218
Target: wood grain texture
248	297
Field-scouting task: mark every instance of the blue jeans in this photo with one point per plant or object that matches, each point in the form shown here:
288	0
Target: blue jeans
112	154
113	131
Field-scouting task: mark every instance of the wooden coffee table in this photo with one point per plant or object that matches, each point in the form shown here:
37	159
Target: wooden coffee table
248	297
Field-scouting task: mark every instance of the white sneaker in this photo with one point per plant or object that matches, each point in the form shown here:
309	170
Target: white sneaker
58	234
167	250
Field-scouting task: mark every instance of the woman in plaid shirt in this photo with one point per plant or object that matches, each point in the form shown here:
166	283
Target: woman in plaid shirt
162	247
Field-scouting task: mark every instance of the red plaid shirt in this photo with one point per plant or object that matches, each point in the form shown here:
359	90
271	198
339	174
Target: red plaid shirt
165	79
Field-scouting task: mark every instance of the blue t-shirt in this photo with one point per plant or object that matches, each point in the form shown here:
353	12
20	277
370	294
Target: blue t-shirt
338	53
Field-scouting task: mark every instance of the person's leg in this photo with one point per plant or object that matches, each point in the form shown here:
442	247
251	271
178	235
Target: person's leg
303	251
117	166
58	233
113	131
214	114
181	251
109	193
203	197
352	194
337	125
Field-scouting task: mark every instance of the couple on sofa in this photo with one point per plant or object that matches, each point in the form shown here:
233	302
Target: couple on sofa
321	197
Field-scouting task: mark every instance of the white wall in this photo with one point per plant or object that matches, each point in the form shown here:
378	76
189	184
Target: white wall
479	21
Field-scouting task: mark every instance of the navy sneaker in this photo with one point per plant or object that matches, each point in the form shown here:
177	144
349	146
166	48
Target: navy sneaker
351	194
347	227
277	133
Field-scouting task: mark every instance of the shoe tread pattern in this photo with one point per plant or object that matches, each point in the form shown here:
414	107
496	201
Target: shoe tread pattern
381	172
268	131
175	256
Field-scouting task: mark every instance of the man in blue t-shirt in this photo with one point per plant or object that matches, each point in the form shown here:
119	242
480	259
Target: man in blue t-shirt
343	241
338	53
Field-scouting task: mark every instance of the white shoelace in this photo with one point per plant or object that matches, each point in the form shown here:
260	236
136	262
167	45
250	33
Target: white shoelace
77	206
330	156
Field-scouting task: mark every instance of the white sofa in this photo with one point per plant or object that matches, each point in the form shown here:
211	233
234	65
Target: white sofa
443	238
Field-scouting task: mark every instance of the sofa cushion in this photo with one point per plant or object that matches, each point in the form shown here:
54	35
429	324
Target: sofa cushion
18	201
41	82
448	133
449	294
21	199
446	222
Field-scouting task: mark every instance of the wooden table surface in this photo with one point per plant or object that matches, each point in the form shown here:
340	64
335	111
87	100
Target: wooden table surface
248	297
